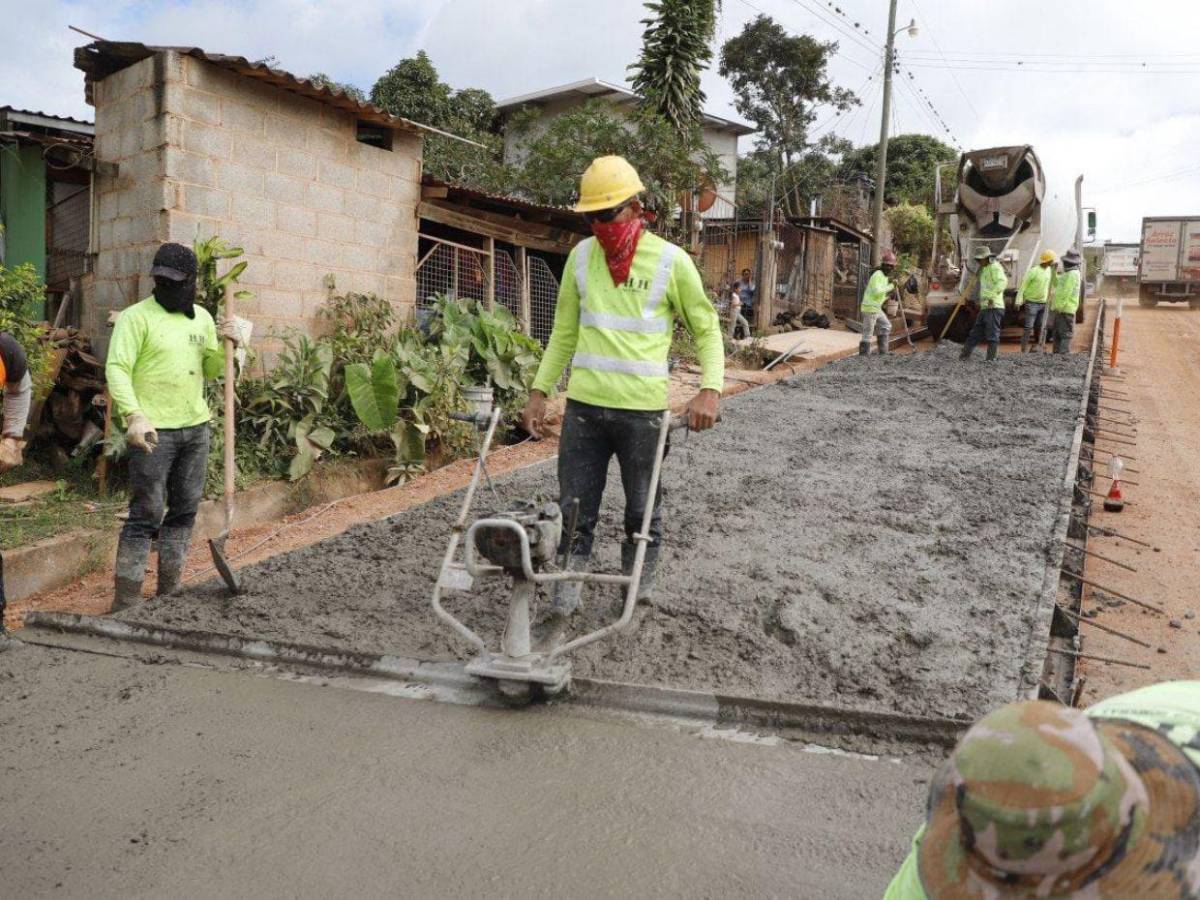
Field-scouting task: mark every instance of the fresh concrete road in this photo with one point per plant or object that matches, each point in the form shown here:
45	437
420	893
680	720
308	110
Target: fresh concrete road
127	779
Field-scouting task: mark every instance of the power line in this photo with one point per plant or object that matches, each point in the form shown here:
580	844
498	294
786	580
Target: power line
1044	69
958	84
839	52
837	117
853	31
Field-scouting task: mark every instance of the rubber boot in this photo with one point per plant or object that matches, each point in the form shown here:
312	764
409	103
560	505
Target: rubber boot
567	595
864	347
645	592
172	554
1025	342
131	571
881	341
992	350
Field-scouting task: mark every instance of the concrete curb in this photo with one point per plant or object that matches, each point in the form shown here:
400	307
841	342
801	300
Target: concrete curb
59	560
806	721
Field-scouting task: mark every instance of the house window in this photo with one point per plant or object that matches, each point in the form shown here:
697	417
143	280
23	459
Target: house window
376	135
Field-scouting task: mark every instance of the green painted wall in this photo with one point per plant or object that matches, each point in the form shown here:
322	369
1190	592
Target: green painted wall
23	207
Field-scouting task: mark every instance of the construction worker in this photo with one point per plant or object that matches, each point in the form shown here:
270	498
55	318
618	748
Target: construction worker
622	291
992	282
1035	290
1041	800
18	393
877	292
162	350
1066	302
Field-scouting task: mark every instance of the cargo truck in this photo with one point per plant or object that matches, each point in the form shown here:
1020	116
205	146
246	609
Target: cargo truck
1119	270
1169	268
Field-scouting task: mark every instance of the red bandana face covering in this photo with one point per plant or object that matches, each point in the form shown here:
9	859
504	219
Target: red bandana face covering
619	241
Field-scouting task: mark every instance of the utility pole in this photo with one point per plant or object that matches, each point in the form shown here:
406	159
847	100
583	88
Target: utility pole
889	62
889	55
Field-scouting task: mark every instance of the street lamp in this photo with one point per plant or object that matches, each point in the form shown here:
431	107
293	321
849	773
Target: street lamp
889	58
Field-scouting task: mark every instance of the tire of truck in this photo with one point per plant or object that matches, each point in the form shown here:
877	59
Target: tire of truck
1146	297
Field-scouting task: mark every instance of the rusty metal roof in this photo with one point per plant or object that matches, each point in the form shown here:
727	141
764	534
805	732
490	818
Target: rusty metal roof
100	59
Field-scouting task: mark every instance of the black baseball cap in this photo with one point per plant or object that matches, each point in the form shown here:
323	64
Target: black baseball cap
174	261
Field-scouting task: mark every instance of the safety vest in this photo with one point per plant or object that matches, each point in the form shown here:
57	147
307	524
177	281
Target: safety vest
876	292
1036	286
1066	293
617	337
992	282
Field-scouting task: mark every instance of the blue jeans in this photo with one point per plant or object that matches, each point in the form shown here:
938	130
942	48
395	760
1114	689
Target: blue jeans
1035	315
591	436
986	327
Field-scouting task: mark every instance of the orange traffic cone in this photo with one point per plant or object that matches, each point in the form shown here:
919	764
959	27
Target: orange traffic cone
1114	502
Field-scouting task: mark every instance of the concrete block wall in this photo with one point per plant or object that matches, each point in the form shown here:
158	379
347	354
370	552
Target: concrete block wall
280	175
130	218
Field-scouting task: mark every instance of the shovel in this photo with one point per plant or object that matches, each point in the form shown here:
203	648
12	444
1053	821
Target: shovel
217	544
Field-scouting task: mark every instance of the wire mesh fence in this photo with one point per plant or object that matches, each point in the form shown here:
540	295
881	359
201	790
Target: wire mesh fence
543	297
66	250
454	270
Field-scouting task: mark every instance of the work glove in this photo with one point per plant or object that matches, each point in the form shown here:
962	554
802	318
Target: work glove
10	453
1020	302
140	433
238	330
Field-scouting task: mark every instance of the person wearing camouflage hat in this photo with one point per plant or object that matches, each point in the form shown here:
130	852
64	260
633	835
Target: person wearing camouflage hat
1040	800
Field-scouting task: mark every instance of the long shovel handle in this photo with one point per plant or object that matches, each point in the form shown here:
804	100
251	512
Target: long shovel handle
230	378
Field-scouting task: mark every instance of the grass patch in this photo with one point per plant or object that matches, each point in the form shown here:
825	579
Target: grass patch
72	505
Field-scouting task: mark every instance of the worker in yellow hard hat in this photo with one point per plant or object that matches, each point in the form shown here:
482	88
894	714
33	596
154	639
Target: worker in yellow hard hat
1035	290
622	291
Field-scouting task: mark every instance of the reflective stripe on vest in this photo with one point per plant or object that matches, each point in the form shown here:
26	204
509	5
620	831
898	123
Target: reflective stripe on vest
642	367
650	322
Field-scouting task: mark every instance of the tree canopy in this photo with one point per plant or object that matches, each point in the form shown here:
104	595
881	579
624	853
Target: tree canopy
911	162
676	48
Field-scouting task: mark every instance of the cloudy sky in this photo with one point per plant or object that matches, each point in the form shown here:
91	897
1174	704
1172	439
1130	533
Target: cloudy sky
1101	88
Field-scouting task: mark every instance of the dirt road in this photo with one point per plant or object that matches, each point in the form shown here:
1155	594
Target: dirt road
1160	359
127	779
874	535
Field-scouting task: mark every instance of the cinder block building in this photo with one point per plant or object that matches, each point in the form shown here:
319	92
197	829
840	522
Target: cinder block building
307	180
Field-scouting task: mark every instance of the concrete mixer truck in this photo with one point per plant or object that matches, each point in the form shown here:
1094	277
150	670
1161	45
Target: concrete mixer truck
1000	200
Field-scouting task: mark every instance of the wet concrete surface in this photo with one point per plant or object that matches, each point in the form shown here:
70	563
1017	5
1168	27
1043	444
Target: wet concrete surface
123	778
873	535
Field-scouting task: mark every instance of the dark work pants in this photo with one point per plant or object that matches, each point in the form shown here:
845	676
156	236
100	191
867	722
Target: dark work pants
170	480
591	436
986	328
1063	327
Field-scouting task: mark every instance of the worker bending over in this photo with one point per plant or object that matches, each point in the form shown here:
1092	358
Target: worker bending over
992	282
18	392
1066	302
162	350
878	291
1035	290
1041	800
622	291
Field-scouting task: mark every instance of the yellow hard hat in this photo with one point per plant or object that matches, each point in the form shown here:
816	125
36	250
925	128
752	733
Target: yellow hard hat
609	181
1047	257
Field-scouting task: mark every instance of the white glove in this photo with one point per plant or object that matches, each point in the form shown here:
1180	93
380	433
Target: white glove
140	433
235	329
10	453
1019	303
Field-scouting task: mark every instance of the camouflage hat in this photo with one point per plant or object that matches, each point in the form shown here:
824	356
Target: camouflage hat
1038	800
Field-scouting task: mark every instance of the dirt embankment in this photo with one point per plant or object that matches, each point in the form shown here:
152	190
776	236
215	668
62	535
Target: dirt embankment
873	535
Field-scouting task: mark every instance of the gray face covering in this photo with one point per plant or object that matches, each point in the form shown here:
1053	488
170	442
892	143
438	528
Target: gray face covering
176	296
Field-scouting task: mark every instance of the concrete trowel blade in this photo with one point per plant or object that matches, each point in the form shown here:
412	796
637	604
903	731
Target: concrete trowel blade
217	546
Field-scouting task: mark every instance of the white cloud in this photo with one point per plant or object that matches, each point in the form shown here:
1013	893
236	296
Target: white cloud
1114	128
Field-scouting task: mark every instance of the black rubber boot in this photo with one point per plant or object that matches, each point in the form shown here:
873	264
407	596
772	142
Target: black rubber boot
1025	342
864	347
131	571
967	350
881	341
172	554
645	592
992	350
568	595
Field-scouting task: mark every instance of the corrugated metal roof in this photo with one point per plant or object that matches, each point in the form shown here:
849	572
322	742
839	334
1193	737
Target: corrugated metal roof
100	59
596	87
30	117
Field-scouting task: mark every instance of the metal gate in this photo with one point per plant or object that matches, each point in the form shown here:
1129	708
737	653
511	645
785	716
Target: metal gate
524	284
